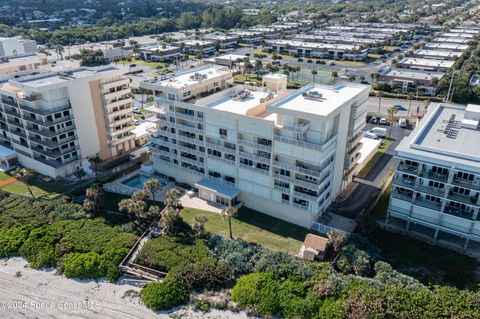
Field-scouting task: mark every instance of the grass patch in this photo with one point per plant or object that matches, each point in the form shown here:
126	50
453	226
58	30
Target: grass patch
379	212
153	65
428	263
39	187
374	160
253	226
4	176
241	78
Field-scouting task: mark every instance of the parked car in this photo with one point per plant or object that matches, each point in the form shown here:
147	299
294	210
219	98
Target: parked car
344	77
364	82
383	121
309	61
373	120
380	132
371	135
300	60
331	63
403	123
399	107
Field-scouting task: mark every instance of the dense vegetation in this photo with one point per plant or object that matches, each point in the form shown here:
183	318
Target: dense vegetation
61	234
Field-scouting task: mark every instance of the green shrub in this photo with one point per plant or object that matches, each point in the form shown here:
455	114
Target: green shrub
206	275
282	265
39	248
258	290
164	295
239	255
110	262
167	252
83	265
11	240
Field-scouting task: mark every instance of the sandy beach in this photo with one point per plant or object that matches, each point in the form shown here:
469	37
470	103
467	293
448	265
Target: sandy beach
30	293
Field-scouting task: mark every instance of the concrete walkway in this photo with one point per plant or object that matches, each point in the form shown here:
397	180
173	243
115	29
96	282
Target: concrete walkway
198	203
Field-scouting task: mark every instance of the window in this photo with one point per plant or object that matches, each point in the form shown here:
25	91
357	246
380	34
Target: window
230	157
285	197
432	199
215	84
214	174
188	93
223	132
281	184
466	176
461	190
58	115
436	185
439	170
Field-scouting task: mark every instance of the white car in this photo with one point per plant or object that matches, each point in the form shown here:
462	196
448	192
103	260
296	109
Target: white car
383	121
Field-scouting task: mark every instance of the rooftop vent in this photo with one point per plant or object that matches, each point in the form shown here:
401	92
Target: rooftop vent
312	95
471	118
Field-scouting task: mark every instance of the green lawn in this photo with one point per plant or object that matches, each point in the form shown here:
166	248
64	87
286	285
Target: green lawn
4	176
428	263
374	160
254	227
39	187
154	65
241	78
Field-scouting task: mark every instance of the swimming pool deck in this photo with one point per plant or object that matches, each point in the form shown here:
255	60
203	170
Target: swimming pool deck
118	187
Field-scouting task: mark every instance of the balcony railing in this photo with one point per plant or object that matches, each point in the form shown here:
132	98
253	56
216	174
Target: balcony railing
470	200
467	184
283	177
458	212
407	169
410	183
428	204
315	146
402	196
281	188
305	196
430	190
254	157
220	148
221	159
256	169
255	145
434	176
299	128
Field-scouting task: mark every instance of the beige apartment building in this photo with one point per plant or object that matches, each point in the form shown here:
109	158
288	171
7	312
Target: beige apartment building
56	121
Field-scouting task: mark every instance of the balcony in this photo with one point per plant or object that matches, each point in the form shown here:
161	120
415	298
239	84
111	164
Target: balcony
160	152
466	184
298	128
254	157
428	204
187	139
58	120
310	145
306	196
307	184
406	182
407	169
281	189
304	207
49	143
357	147
256	169
186	128
9	102
283	177
255	145
458	212
434	176
469	200
439	192
187	117
402	196
220	148
221	159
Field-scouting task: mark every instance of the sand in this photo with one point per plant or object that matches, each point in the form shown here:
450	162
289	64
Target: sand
31	293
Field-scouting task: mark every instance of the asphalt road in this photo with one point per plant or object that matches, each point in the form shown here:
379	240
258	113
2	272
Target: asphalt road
385	103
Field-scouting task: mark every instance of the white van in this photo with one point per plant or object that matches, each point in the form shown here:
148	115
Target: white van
379	131
370	135
402	123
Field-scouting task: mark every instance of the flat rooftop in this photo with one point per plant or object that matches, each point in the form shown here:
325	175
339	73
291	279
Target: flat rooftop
459	35
442	136
158	47
50	78
446	46
427	62
413	74
314	45
198	42
192	76
240	102
437	53
320	100
450	40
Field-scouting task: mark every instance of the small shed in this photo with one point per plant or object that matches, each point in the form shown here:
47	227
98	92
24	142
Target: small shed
314	247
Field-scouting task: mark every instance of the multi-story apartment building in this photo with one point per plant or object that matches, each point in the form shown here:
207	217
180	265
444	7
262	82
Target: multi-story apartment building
10	47
317	50
55	121
412	80
425	64
198	46
437	181
190	84
225	40
285	154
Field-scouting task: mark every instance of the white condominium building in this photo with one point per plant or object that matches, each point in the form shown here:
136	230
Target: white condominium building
285	154
56	120
437	182
10	47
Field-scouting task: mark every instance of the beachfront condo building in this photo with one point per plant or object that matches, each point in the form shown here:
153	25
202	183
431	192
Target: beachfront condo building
56	121
287	154
437	181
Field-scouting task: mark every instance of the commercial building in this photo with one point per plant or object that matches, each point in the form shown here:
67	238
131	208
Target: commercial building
450	40
446	47
248	37
285	154
425	64
337	39
21	63
317	50
225	40
55	121
437	54
198	46
16	47
412	80
158	52
437	181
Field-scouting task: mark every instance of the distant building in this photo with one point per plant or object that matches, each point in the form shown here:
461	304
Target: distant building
198	46
10	47
436	189
159	52
21	63
412	80
425	64
225	40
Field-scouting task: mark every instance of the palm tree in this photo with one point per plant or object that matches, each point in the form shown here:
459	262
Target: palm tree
94	162
410	97
151	186
172	198
93	199
167	222
134	206
258	67
374	77
314	72
352	77
379	94
154	211
24	174
334	76
392	112
426	103
229	212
